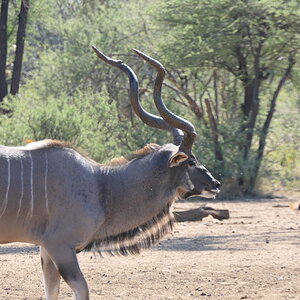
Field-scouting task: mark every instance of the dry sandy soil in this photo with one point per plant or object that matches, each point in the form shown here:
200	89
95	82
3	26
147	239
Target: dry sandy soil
253	255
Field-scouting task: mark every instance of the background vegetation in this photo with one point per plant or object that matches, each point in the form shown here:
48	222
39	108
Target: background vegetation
233	70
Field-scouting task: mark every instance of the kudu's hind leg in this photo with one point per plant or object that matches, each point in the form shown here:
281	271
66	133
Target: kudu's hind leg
51	276
65	260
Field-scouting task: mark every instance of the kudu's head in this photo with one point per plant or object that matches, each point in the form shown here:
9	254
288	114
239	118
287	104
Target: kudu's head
190	177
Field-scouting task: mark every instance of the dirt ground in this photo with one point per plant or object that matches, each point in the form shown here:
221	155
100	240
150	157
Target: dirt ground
253	255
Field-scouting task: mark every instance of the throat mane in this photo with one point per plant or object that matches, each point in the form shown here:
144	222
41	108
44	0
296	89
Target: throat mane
137	239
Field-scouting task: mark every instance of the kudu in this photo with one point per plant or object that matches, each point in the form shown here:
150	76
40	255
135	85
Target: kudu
52	196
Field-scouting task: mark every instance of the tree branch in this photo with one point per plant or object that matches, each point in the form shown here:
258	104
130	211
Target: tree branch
214	130
266	126
192	103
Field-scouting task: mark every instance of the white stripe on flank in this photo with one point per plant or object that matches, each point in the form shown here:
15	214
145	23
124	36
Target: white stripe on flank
22	188
92	168
4	206
31	186
46	182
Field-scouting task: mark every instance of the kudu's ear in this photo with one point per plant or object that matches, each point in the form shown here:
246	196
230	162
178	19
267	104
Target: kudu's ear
177	158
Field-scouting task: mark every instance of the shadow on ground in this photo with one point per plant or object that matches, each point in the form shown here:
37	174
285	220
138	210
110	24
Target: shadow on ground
234	242
19	250
201	243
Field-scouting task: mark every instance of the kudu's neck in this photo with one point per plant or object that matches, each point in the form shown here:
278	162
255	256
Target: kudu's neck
138	197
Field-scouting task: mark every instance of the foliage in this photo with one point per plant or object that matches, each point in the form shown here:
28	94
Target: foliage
75	119
282	159
256	43
211	33
210	50
81	119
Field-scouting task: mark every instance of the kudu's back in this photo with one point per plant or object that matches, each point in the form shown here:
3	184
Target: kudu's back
43	187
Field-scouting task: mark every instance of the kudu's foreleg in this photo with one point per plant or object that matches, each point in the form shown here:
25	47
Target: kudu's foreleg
51	276
65	261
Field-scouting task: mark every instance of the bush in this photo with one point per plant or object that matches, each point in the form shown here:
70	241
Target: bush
79	119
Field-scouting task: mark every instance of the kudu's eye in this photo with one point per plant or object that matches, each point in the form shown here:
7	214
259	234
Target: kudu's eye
192	163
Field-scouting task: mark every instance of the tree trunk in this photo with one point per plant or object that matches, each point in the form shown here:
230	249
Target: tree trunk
267	123
15	83
247	128
254	103
251	108
215	135
248	96
3	48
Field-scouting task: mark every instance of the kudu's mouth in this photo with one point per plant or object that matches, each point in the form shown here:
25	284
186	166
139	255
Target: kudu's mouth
209	193
205	193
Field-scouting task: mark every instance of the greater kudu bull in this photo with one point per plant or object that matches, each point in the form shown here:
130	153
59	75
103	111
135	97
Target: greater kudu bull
52	196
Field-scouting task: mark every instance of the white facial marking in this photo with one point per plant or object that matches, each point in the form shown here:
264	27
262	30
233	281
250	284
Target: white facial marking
191	186
4	205
210	194
22	188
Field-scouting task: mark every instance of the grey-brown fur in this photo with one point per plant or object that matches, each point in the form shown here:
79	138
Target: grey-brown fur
52	196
